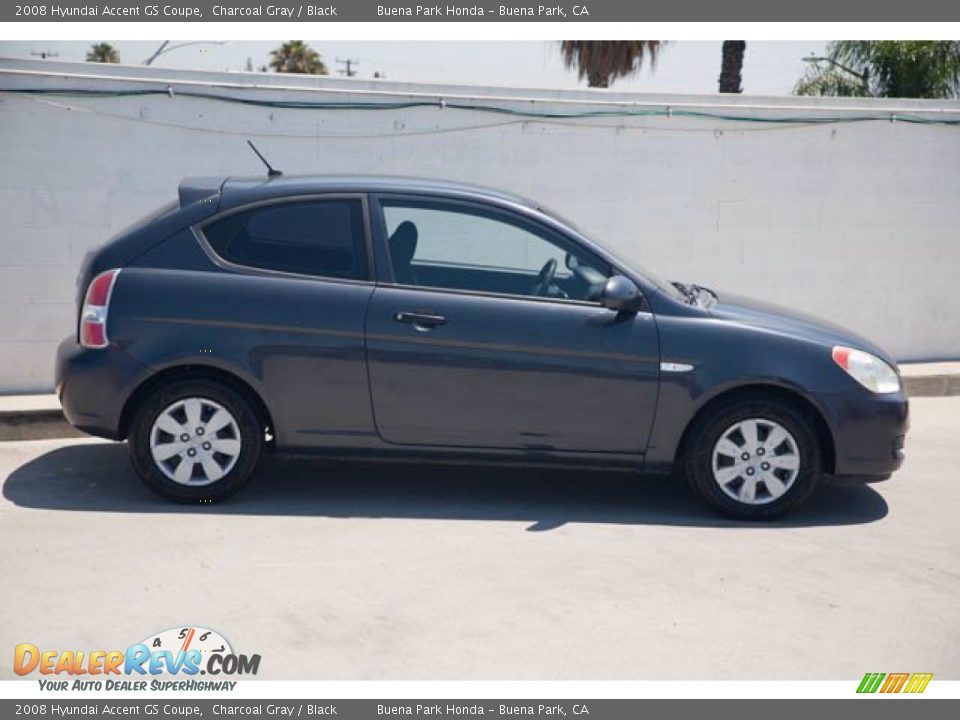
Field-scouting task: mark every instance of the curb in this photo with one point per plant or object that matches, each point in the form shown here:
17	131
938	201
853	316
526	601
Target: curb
40	417
943	385
35	425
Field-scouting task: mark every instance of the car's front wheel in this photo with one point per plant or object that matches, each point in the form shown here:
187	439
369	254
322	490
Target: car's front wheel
753	459
195	441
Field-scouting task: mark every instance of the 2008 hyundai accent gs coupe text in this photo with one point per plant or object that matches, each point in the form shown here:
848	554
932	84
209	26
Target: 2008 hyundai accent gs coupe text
405	318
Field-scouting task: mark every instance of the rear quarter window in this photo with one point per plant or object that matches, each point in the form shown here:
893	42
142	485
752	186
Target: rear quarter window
324	238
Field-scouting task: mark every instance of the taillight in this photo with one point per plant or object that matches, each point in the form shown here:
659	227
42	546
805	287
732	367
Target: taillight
96	304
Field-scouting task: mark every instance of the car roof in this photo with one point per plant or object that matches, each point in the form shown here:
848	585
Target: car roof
240	190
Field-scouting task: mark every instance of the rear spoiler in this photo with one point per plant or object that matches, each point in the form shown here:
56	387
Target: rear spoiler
195	189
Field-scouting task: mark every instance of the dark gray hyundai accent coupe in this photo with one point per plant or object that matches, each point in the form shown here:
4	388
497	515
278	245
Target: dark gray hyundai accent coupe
405	318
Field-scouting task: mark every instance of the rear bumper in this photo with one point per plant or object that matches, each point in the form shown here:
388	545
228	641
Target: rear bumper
869	433
93	386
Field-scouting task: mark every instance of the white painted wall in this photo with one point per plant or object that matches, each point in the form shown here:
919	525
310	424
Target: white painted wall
855	222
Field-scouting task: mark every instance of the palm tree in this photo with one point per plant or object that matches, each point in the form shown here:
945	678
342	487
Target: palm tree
886	68
603	61
103	53
296	56
731	68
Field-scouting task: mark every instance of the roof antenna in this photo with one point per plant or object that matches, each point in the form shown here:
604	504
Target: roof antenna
271	172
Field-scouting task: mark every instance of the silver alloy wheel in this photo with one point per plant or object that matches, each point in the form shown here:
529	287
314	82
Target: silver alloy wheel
195	441
755	461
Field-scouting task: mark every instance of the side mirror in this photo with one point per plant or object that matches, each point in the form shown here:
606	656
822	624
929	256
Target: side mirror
621	294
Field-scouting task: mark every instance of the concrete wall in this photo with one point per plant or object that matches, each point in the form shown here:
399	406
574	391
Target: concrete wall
856	222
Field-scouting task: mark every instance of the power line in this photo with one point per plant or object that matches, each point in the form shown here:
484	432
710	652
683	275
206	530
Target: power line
877	115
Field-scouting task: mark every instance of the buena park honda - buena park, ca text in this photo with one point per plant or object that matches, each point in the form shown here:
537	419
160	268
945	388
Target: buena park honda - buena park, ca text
295	11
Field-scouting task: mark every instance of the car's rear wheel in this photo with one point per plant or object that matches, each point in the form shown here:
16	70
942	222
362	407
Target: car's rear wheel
195	441
753	459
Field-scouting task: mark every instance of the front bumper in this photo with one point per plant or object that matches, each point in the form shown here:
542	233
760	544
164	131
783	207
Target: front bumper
93	386
869	432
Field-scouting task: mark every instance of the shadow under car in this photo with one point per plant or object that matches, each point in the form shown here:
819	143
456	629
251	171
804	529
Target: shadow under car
97	477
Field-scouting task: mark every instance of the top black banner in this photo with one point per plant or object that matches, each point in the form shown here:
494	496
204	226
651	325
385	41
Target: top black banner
474	11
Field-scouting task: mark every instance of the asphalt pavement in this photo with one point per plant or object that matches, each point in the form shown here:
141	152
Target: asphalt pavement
346	571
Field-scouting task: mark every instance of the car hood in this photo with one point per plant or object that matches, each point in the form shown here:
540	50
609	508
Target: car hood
769	316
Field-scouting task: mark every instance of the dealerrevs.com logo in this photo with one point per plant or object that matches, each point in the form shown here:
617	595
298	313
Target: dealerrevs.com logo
184	651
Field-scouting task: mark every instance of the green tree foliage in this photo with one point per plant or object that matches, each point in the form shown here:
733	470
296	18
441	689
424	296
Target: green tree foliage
603	61
824	79
103	53
887	68
296	56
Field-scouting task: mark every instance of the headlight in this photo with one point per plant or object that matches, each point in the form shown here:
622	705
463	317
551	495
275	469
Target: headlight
868	370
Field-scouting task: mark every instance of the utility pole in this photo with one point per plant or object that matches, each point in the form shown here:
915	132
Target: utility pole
349	65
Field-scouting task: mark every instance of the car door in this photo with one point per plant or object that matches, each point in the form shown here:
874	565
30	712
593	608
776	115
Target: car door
466	349
290	307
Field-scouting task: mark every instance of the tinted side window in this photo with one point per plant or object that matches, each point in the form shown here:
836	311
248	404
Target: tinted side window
453	246
310	237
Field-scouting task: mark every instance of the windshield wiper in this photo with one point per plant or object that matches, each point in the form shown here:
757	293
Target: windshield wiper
686	291
697	294
700	290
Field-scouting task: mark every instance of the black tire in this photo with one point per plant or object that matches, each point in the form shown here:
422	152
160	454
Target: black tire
712	426
251	435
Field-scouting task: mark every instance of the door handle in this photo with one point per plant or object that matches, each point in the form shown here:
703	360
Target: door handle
421	321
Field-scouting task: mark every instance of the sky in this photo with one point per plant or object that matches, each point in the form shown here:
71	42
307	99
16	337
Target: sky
687	66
